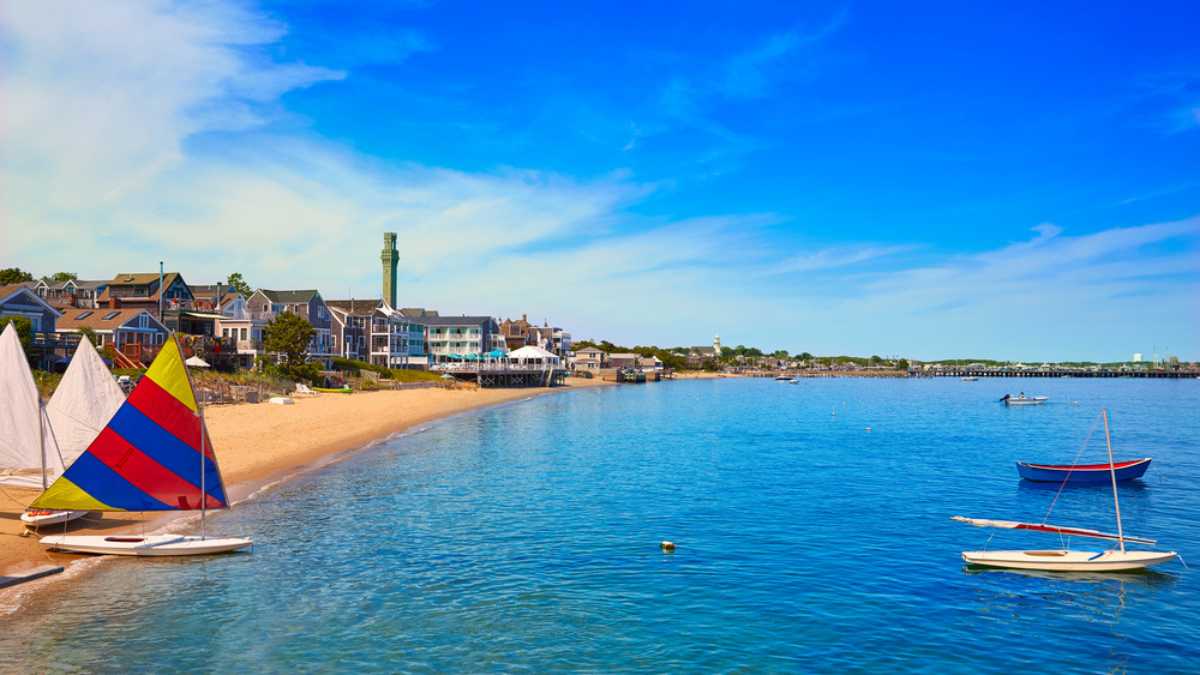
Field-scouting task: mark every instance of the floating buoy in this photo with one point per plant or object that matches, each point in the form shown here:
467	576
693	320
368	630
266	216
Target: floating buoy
868	430
667	546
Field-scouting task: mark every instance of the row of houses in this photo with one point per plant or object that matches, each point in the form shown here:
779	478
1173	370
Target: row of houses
135	312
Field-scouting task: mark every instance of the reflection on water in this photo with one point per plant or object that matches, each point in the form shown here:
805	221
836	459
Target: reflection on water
527	537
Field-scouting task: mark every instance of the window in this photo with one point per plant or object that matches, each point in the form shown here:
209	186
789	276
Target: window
110	315
83	315
243	333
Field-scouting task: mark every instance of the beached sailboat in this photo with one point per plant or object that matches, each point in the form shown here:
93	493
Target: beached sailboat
29	457
153	455
1063	560
84	401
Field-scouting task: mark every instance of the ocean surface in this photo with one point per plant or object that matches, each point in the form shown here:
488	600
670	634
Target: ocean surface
526	537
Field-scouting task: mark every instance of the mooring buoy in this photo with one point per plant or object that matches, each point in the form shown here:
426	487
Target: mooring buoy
667	546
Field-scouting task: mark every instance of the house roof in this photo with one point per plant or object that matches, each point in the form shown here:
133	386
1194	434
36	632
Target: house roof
140	279
289	297
623	356
589	350
355	306
451	320
101	319
417	312
10	290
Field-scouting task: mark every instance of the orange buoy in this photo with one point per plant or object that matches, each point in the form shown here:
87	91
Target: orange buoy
667	546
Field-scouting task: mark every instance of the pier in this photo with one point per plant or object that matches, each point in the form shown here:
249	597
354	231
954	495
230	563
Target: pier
498	374
1058	371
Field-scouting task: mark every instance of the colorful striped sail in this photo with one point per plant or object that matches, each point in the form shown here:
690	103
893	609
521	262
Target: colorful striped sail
148	456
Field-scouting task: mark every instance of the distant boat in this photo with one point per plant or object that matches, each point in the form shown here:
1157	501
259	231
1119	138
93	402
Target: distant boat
783	378
794	380
1022	399
1083	473
970	378
1065	560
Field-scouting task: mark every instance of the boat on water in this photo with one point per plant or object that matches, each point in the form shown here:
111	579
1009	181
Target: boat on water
1022	399
970	378
1083	473
783	378
1065	560
153	455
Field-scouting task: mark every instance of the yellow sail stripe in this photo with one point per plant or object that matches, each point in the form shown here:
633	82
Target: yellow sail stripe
64	495
168	372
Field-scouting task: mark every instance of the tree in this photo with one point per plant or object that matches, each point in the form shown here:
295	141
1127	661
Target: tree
24	330
805	356
902	364
237	283
89	335
288	335
60	277
14	275
875	360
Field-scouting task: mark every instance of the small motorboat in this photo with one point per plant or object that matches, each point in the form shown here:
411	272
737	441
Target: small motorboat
1022	399
783	378
1083	473
970	378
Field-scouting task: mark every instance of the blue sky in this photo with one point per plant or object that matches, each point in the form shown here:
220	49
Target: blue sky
948	180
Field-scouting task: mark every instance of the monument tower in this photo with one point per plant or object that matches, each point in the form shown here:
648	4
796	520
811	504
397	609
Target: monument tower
390	259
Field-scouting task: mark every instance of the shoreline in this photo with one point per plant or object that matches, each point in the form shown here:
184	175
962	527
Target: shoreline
259	447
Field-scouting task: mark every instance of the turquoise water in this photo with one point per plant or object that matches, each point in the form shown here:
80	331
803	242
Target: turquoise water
526	537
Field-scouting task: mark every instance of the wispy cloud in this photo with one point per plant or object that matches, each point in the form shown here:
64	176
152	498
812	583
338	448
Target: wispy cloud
832	258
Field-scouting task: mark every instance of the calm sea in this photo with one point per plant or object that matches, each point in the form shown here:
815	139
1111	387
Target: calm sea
526	537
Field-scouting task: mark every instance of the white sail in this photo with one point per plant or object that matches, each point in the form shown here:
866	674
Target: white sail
84	402
21	440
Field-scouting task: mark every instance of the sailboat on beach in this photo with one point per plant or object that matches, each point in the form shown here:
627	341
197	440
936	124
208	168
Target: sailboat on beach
84	401
29	457
153	455
1120	560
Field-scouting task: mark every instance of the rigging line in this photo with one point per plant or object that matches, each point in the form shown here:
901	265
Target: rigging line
1074	462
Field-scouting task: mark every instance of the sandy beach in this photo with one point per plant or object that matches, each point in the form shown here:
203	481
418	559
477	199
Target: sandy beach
259	443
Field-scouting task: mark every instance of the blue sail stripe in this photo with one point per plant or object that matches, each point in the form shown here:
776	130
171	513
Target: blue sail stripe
105	485
163	447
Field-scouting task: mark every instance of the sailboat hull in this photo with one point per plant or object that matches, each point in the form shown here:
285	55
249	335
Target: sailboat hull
53	518
1069	561
154	545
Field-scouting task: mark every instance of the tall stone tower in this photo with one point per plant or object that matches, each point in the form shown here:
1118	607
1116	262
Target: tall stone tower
390	259
717	345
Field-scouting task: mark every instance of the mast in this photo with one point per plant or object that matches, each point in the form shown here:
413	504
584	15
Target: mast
199	414
1112	471
42	439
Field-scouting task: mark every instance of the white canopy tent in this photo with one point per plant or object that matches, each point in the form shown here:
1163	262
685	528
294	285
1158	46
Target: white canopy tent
533	356
196	362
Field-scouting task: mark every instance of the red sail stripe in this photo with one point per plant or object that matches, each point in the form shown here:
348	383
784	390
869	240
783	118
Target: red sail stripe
167	412
146	474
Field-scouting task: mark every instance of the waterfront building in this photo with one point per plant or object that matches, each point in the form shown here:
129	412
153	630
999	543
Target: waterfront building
308	304
591	358
622	360
516	332
20	300
144	290
351	327
133	332
71	293
458	336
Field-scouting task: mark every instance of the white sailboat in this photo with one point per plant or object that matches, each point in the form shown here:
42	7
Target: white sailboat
84	401
29	457
1062	560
